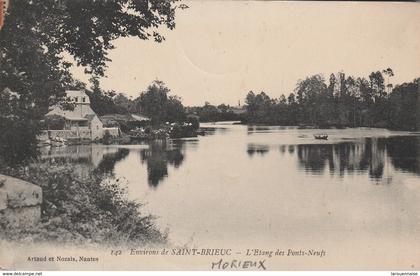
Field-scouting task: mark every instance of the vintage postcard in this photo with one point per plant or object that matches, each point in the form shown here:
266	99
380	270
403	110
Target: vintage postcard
209	135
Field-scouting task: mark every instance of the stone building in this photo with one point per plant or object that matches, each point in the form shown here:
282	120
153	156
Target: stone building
81	122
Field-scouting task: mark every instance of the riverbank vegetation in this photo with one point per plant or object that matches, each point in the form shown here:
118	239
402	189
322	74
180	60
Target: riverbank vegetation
212	113
166	115
80	208
345	101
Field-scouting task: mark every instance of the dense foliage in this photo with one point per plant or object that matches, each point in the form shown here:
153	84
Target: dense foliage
212	113
343	102
404	104
53	122
102	102
157	104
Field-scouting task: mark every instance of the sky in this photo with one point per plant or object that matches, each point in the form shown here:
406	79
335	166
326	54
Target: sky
220	50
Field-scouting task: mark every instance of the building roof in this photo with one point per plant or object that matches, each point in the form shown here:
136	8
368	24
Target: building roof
79	111
125	117
114	119
77	119
76	93
139	117
90	117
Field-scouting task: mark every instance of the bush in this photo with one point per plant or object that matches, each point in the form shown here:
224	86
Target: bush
107	138
53	122
194	120
17	139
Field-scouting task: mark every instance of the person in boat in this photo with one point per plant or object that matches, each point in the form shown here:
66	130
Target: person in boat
321	136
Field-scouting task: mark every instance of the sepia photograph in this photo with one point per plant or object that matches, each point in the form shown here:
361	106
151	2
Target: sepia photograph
186	135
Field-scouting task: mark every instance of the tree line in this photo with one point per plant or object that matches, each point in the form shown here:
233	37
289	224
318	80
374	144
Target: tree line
343	101
155	102
213	113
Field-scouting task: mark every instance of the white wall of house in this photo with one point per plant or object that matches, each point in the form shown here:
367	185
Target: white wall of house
96	128
113	131
76	125
66	134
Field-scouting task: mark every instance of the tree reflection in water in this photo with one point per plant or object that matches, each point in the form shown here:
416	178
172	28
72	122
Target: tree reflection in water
405	153
370	155
259	149
344	157
85	158
109	160
291	149
157	157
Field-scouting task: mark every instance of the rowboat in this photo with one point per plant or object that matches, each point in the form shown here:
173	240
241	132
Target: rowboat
321	136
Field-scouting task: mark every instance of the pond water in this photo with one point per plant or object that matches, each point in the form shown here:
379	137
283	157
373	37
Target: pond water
245	186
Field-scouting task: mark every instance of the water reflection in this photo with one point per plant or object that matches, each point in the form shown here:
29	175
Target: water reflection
344	157
257	149
158	156
405	153
252	129
85	158
109	160
369	154
378	157
291	149
180	179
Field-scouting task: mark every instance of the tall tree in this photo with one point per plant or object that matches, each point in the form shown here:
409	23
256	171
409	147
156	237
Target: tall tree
389	73
308	93
404	101
156	103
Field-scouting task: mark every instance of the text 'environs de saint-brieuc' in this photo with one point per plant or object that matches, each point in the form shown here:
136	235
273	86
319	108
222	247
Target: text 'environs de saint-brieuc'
229	252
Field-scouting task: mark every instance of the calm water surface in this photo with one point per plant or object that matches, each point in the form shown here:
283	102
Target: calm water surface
273	186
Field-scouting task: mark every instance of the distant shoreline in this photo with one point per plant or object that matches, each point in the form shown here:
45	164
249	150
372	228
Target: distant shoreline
305	126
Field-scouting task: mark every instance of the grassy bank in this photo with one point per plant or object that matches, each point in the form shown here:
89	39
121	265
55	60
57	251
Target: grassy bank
82	209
